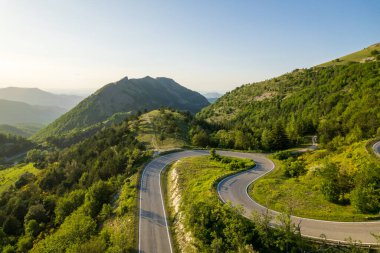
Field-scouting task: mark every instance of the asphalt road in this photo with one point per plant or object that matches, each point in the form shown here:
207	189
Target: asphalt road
376	148
234	189
153	227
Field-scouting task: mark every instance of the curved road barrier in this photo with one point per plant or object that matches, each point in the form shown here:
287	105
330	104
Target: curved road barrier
153	227
376	148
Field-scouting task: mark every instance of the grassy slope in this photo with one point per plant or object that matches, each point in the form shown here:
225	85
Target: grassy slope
359	56
9	176
196	178
302	195
148	130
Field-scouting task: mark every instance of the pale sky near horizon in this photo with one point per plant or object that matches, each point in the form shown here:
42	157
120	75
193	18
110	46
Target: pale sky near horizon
81	45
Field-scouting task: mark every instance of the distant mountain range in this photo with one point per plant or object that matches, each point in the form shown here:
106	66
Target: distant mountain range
34	96
12	112
124	97
24	130
212	96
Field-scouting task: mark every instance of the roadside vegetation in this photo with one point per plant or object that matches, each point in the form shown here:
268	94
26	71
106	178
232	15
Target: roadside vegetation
342	185
82	200
201	223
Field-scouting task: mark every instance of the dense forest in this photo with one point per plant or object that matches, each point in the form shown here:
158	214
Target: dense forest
340	104
76	193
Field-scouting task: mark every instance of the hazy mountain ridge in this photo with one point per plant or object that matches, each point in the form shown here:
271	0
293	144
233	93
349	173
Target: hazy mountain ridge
126	96
24	130
12	112
35	96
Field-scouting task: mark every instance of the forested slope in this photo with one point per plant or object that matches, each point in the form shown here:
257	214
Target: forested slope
86	189
338	103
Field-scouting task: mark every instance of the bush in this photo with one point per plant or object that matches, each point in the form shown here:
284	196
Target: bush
282	155
24	179
77	228
36	212
68	204
365	199
9	249
24	244
294	168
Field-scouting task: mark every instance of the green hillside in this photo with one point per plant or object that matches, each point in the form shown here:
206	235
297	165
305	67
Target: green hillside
368	54
126	96
83	193
338	103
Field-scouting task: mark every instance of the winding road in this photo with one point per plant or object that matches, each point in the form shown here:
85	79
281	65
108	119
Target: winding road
153	227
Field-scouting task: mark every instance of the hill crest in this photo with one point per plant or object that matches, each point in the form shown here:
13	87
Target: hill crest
126	96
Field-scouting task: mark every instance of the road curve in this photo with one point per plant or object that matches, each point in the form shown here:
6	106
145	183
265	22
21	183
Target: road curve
153	228
234	190
376	148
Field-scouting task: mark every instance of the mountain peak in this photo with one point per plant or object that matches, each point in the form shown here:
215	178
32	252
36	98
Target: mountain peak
126	97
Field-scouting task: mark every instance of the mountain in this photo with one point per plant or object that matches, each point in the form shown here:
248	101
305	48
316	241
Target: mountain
116	100
212	96
368	54
24	130
338	103
12	112
36	96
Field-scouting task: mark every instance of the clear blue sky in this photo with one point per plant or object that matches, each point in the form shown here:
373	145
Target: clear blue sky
204	45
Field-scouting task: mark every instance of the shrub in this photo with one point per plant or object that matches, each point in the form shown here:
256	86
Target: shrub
365	199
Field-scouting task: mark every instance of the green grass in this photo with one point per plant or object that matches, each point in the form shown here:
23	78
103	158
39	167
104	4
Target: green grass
359	56
196	178
198	175
9	176
302	196
148	128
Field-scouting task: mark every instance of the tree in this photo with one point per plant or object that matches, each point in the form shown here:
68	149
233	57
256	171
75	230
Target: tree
32	228
67	204
24	244
280	139
37	213
200	139
11	226
267	139
335	184
366	199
